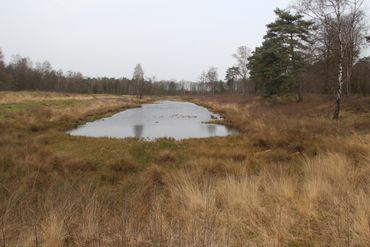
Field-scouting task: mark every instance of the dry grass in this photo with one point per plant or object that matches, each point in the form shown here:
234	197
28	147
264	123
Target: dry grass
292	178
24	96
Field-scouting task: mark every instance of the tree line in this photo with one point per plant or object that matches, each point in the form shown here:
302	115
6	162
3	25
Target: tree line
22	74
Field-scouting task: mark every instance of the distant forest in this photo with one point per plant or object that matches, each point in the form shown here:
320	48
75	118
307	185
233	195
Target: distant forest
307	49
22	74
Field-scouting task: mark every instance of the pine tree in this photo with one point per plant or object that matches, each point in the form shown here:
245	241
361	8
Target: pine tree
268	67
294	33
279	61
232	75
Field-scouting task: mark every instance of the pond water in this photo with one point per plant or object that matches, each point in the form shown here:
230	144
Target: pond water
178	120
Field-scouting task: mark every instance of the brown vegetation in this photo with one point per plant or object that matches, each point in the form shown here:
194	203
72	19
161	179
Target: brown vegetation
292	177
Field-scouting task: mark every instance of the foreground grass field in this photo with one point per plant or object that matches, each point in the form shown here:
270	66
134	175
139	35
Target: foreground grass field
292	178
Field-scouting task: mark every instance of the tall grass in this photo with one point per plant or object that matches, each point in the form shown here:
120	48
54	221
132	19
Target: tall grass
328	204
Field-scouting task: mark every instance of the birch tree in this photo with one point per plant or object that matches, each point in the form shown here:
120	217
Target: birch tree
344	17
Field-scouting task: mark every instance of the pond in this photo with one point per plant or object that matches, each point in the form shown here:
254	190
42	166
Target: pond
178	120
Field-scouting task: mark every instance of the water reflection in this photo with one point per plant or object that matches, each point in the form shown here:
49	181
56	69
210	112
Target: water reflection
138	131
211	128
179	120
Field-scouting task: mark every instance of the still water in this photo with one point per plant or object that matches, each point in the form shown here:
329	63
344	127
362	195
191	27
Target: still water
178	120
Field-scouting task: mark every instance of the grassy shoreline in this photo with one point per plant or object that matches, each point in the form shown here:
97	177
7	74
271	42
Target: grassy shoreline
292	178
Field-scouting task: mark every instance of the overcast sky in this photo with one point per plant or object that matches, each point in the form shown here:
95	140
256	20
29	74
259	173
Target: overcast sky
172	39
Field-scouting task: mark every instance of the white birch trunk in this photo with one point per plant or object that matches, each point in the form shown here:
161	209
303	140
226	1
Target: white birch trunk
338	100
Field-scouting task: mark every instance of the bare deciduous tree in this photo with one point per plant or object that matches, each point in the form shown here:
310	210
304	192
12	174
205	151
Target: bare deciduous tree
212	78
2	65
138	78
202	82
344	18
4	78
1	59
242	55
353	38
